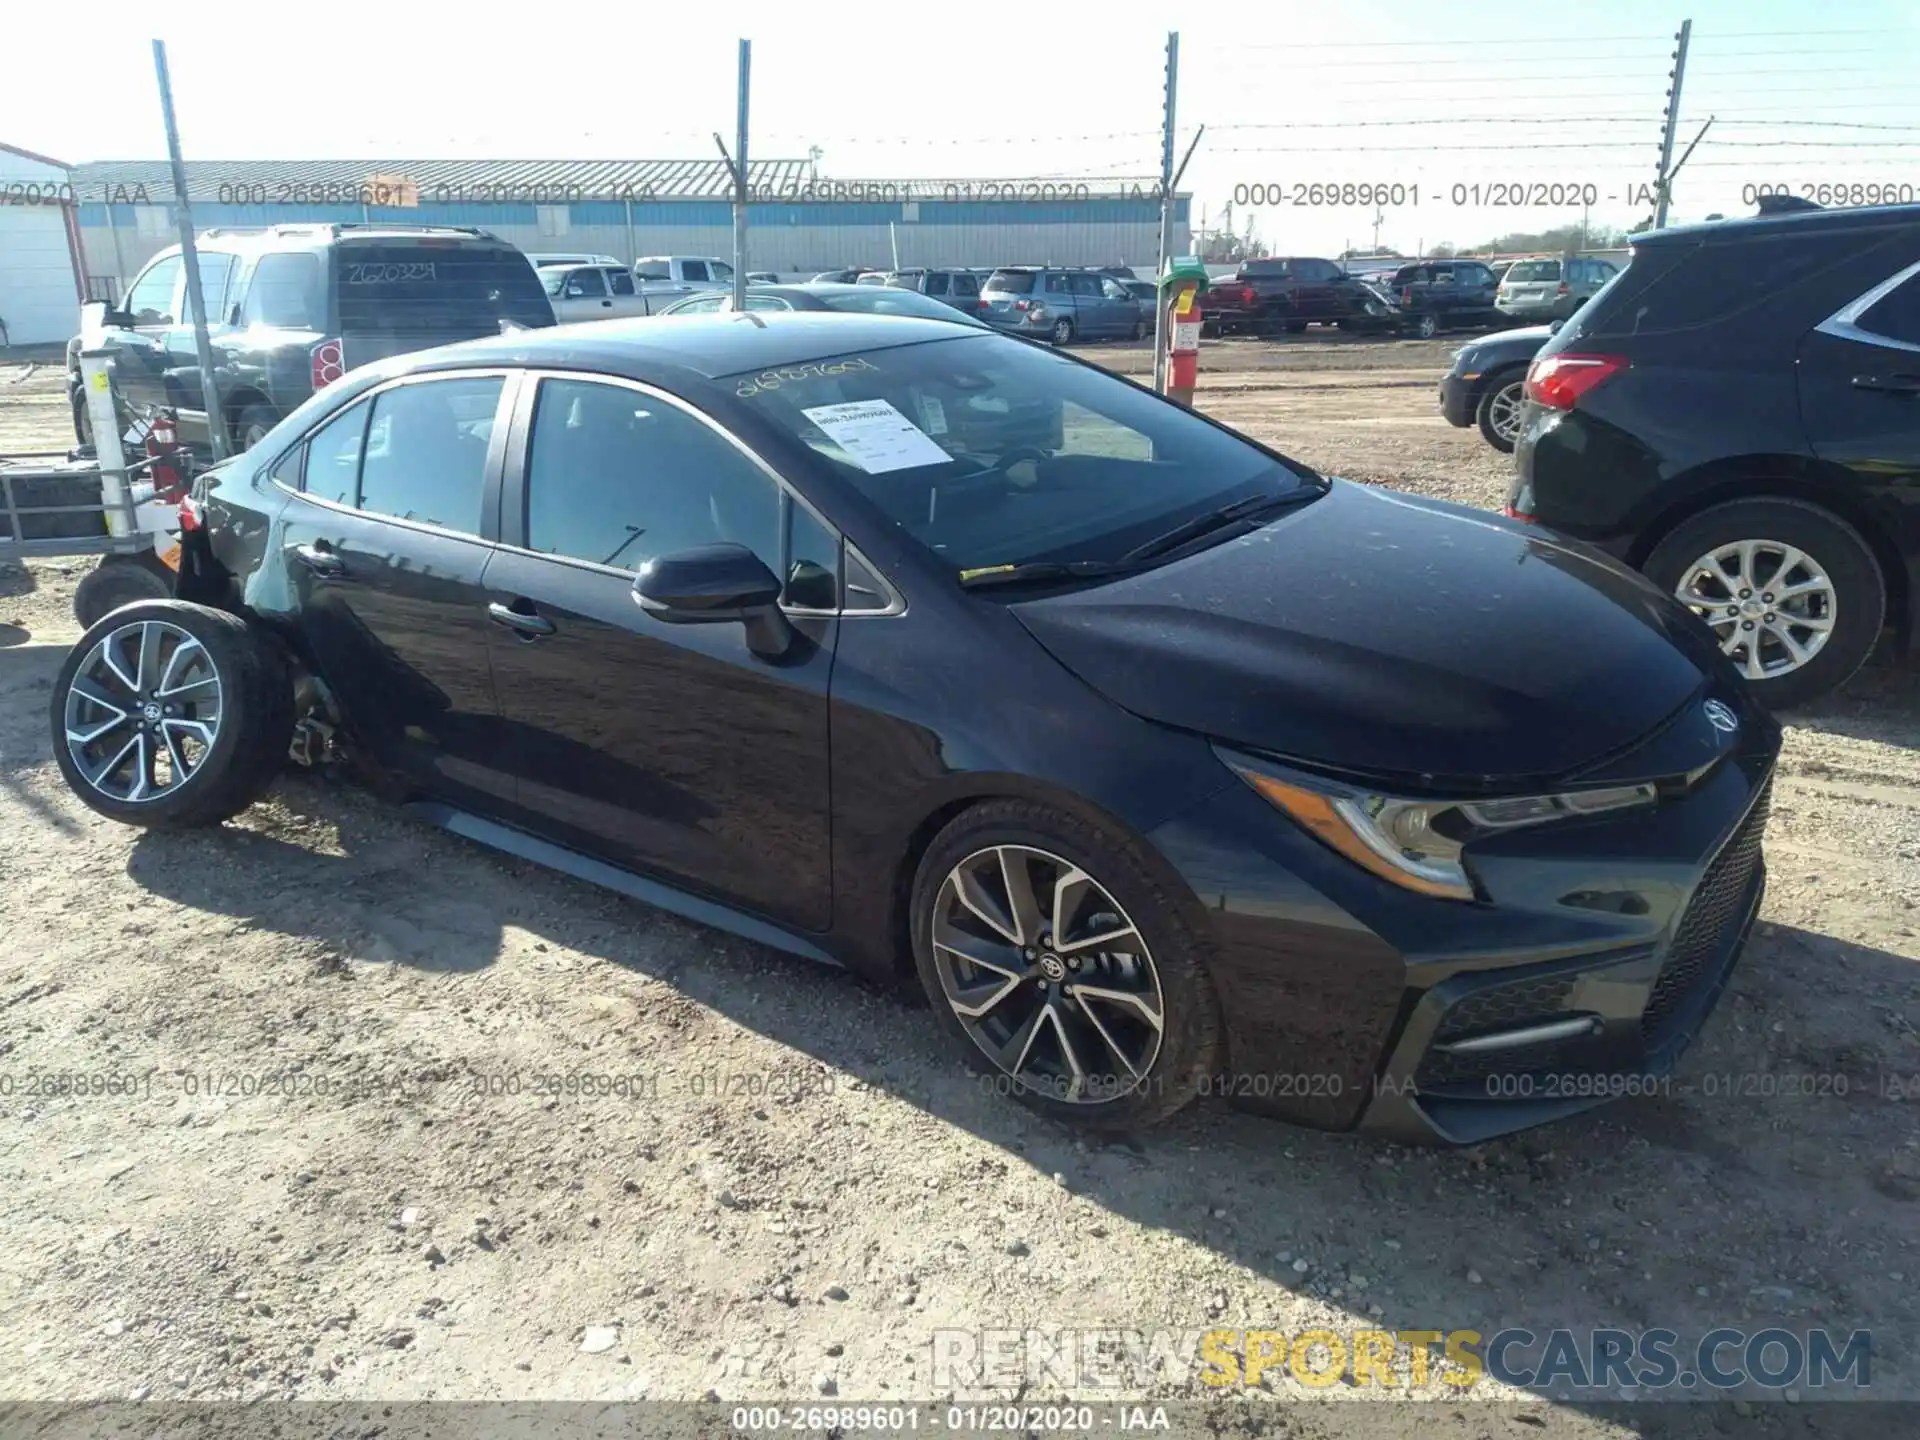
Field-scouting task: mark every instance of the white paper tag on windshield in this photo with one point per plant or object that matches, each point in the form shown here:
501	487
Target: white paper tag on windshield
876	437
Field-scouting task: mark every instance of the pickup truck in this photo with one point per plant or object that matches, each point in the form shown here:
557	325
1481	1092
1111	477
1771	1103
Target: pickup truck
608	292
666	278
1291	293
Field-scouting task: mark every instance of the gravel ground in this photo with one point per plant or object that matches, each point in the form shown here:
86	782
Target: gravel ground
364	1159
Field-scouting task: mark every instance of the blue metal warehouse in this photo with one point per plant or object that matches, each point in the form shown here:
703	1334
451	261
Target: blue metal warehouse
798	221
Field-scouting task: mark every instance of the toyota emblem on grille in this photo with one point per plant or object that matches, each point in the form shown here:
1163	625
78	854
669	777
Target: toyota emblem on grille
1720	715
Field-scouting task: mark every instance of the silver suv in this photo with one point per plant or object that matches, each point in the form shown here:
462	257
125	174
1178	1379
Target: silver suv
1550	287
1061	303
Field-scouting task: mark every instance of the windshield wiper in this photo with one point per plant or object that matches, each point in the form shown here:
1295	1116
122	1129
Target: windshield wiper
1043	570
1213	520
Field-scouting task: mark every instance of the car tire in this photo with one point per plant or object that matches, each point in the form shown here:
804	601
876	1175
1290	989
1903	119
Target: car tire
1851	595
82	417
252	425
1426	327
1502	398
1062	332
1168	968
1210	329
250	722
120	580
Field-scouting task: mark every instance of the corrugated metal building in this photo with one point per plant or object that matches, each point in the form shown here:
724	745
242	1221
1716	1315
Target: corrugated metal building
798	221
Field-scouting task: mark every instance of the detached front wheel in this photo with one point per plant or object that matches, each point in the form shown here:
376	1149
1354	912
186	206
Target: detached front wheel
1057	959
169	714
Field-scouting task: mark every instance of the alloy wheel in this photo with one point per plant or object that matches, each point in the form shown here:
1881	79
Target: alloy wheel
1062	331
143	711
1047	974
1770	604
1428	327
1503	411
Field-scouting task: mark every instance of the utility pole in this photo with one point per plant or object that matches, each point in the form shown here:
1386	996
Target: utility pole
1379	217
190	258
1663	193
740	188
1166	210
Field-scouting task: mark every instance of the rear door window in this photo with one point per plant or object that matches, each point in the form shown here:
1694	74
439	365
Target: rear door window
333	457
447	288
937	283
1897	316
426	451
964	284
1083	284
621	282
1058	284
693	270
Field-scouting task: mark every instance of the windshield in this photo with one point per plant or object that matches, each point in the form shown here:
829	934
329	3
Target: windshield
1535	270
991	452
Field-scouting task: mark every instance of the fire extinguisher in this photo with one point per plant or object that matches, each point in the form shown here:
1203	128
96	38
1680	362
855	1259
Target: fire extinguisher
166	458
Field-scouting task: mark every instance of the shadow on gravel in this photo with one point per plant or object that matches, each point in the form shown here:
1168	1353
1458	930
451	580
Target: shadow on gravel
26	683
1687	1210
1881	702
16	580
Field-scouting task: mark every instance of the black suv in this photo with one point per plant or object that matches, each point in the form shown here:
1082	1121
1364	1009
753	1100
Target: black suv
1435	295
1738	415
291	308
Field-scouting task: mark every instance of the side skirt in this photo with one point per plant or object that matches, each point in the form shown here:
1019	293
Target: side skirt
598	872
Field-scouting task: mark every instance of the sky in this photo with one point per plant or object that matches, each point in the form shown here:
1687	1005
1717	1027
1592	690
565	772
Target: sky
1449	110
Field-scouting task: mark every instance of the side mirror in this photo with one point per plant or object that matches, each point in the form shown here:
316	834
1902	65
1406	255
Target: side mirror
713	584
1554	328
97	315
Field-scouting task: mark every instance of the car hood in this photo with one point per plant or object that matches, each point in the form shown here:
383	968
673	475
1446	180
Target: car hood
1524	341
1381	634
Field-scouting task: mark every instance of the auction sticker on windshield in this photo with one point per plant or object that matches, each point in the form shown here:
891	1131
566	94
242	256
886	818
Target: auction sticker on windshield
875	436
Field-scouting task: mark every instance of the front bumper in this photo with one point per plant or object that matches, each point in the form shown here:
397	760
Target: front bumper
1601	950
1458	397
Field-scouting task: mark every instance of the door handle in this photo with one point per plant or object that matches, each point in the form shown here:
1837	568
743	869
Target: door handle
606	304
1889	384
528	626
320	560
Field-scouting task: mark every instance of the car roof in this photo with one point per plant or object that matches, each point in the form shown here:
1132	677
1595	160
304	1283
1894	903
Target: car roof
707	345
1853	217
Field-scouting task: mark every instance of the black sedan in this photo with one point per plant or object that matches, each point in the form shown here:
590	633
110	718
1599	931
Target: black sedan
847	299
1164	765
1485	385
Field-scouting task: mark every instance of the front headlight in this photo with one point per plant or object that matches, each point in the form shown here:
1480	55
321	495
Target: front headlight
1419	844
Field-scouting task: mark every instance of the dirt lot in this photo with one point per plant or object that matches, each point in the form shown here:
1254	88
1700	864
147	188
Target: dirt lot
384	1224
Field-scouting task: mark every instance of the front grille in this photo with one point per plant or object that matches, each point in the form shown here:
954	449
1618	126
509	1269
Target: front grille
1475	1070
1506	1007
1498	1007
1702	931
